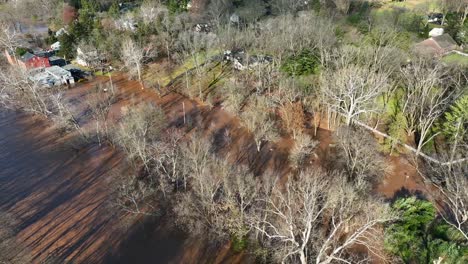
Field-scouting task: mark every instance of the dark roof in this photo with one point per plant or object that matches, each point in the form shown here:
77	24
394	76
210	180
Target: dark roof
55	58
27	56
445	41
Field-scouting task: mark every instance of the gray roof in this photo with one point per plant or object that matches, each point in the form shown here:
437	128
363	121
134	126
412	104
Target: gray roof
445	41
27	56
54	58
57	71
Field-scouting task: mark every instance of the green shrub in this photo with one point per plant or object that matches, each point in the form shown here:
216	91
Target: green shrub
238	243
21	51
419	237
177	6
304	63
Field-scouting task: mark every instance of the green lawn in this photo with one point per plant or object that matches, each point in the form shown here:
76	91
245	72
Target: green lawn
456	59
431	5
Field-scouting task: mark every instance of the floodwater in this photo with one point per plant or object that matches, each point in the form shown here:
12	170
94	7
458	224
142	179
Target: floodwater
61	199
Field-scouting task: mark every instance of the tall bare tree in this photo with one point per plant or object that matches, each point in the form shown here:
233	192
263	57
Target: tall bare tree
139	131
134	56
291	216
358	153
453	185
257	120
425	99
8	38
353	90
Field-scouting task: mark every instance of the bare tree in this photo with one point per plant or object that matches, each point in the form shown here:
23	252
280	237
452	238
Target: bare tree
291	216
201	208
170	163
133	57
18	89
453	185
303	148
8	38
219	9
342	5
425	98
352	221
352	90
257	120
139	131
358	153
286	6
133	195
150	11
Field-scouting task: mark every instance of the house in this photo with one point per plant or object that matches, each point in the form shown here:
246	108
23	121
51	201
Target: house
43	53
436	46
61	76
52	76
241	61
436	32
29	60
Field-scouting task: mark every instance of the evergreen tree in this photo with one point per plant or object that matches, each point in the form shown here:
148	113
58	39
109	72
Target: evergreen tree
456	120
114	10
419	237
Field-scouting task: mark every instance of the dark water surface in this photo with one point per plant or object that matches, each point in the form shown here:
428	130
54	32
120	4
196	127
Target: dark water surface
61	199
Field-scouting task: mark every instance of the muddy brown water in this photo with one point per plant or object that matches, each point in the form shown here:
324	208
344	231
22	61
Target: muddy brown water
60	197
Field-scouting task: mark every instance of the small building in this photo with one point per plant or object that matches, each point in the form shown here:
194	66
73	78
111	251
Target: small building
436	32
57	61
29	60
436	46
241	61
52	76
60	75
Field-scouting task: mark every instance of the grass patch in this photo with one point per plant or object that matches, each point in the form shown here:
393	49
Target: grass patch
431	5
164	79
456	59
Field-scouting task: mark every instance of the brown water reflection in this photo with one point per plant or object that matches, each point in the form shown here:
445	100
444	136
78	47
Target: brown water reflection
61	199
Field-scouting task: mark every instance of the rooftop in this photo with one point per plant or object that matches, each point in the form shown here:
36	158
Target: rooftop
57	71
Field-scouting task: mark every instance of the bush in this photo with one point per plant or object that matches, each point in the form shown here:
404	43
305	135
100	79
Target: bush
419	237
303	64
177	6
